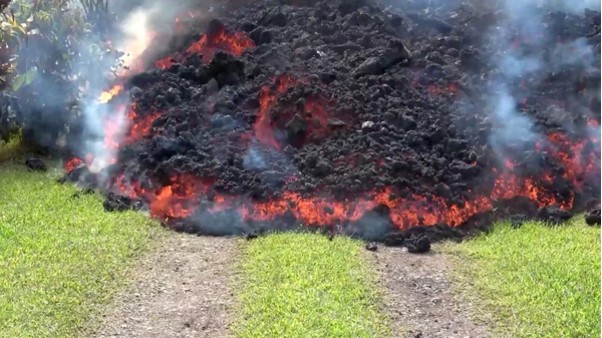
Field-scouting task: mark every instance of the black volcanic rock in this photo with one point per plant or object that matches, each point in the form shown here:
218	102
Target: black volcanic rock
322	109
592	217
36	164
418	244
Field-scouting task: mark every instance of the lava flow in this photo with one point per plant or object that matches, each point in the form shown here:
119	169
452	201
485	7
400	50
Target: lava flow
181	196
362	128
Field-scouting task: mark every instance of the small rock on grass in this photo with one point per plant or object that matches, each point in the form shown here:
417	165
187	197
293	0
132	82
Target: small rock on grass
251	235
517	221
36	164
593	217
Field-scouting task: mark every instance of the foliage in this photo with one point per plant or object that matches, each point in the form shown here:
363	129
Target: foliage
536	281
303	285
97	12
44	48
62	257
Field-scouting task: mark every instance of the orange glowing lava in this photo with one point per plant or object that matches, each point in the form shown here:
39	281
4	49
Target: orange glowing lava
313	111
140	126
73	164
176	200
263	127
179	198
234	43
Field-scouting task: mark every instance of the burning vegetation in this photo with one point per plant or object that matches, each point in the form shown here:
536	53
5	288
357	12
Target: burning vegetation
385	124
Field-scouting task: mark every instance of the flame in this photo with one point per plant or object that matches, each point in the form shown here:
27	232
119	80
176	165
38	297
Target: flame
107	95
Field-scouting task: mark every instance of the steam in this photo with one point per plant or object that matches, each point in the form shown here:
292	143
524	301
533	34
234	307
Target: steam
513	127
522	36
137	36
103	121
141	24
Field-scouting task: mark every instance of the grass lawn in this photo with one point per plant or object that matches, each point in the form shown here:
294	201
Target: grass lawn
303	285
60	257
536	281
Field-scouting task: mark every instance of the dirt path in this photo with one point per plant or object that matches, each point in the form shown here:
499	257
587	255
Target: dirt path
183	290
419	297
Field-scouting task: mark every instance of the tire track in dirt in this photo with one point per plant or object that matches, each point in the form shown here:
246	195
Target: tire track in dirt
181	290
419	297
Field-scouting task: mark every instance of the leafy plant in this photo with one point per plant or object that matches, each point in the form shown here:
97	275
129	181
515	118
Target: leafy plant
44	46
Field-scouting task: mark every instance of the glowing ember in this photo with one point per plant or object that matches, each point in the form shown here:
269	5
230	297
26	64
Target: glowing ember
165	63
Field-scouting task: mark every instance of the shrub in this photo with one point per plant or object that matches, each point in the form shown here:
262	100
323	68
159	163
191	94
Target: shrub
45	45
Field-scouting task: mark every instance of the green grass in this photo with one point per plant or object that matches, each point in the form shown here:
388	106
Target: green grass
536	281
61	258
9	150
303	285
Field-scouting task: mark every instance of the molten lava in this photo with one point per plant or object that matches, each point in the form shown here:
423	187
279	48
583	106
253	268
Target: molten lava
233	43
180	196
263	127
140	126
313	111
73	164
177	199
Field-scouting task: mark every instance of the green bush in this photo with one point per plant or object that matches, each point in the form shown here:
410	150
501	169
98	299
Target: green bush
44	47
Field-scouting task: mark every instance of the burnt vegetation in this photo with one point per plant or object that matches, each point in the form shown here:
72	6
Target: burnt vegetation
402	123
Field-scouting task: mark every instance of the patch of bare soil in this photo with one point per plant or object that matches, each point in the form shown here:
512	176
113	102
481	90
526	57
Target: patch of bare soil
182	290
419	298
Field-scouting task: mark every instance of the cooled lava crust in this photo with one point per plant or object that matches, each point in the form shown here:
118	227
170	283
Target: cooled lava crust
358	119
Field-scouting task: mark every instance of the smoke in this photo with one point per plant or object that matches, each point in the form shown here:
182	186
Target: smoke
139	24
513	128
576	7
522	37
253	160
137	36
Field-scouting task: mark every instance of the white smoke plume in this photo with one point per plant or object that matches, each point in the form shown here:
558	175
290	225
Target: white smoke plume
523	26
140	23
